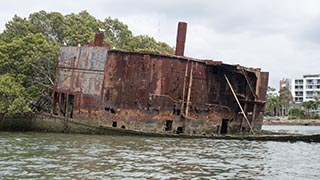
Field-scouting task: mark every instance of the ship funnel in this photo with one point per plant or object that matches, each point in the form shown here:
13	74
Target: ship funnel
98	39
181	38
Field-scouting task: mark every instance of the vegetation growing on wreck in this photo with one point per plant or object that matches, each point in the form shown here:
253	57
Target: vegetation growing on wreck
29	52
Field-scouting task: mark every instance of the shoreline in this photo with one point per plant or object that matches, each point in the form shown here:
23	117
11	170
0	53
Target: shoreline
293	122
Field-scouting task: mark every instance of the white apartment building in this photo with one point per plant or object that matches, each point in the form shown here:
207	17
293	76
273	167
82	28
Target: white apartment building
303	89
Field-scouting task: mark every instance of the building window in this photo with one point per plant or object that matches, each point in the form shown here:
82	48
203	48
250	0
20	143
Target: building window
298	81
309	93
299	93
309	81
298	99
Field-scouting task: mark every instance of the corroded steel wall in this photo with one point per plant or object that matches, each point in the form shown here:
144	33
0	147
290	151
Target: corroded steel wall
80	73
143	91
157	93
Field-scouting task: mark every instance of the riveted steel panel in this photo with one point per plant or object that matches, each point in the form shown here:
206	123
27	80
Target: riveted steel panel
92	83
67	56
64	79
263	86
92	58
85	57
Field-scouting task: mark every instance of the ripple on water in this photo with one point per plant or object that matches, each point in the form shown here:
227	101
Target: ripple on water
64	156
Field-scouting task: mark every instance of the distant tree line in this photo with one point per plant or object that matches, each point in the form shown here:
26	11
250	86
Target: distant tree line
29	51
282	104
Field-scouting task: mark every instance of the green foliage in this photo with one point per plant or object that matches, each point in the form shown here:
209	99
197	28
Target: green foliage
17	28
146	43
30	60
164	48
52	25
80	28
13	96
117	33
296	113
285	97
120	37
317	116
273	104
23	53
29	52
311	105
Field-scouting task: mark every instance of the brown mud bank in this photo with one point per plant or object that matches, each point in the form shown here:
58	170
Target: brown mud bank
294	122
51	123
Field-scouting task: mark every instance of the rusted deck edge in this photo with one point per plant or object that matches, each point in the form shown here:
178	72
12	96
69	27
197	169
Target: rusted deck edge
50	123
257	137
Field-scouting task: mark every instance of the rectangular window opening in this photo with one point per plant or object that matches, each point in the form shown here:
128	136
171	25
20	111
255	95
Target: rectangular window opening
224	126
70	105
114	123
168	125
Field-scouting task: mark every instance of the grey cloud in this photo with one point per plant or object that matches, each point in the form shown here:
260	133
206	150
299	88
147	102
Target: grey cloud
270	34
224	16
310	32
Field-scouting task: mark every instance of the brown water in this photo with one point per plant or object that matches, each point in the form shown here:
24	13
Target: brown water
69	156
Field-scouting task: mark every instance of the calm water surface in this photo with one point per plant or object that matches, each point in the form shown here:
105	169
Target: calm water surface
308	130
69	156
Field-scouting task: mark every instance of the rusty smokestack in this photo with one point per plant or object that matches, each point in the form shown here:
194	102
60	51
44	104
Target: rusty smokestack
181	38
98	39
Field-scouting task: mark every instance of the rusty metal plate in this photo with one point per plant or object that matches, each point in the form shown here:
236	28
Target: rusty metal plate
85	57
67	56
92	58
64	79
263	86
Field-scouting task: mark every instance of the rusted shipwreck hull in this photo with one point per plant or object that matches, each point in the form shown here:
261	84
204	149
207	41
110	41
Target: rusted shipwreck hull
157	93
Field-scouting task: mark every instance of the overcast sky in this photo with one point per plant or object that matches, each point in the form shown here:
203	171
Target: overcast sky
281	37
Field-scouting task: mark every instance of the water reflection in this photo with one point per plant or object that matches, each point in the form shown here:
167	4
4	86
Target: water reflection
63	156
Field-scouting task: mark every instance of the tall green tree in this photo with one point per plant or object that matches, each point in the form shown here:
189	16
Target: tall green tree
273	104
17	28
310	105
52	25
296	113
285	98
146	43
120	37
31	61
117	33
13	96
81	28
